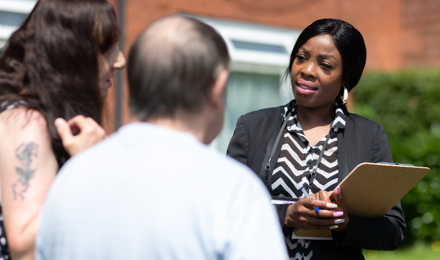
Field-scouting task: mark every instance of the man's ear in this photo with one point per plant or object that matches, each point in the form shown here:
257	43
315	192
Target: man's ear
218	90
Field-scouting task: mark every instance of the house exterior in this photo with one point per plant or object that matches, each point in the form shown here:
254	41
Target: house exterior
260	34
12	15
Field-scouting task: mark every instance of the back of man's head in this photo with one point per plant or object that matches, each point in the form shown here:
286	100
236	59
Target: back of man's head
172	66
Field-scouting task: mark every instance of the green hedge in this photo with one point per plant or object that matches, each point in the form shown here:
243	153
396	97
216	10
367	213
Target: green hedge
407	104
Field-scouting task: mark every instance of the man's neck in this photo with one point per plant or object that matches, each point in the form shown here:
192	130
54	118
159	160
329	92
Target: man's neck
191	124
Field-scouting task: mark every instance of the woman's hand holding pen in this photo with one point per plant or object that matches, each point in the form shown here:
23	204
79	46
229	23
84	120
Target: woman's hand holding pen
303	215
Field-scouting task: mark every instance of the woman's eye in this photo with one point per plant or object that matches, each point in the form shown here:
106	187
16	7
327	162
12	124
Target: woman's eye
326	65
300	57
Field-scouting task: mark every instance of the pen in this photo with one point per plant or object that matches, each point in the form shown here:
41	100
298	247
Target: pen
306	194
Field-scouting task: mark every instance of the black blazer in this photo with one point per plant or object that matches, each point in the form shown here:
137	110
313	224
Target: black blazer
362	141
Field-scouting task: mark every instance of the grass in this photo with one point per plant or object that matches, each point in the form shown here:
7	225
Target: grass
417	252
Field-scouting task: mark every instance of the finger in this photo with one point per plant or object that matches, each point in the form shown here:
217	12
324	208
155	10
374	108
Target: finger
326	214
324	195
63	130
314	196
315	208
77	118
77	124
338	197
74	128
340	201
80	122
96	128
91	121
325	217
313	203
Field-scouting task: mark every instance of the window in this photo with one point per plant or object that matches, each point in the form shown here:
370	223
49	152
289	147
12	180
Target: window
259	57
12	15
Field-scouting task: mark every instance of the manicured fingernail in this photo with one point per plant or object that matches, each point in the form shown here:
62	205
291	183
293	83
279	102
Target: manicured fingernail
338	213
331	205
333	227
339	221
338	190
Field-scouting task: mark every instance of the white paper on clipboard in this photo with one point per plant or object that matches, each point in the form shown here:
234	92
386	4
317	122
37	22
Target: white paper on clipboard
282	202
310	238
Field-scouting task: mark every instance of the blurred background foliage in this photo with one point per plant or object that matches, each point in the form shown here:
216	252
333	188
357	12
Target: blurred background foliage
407	104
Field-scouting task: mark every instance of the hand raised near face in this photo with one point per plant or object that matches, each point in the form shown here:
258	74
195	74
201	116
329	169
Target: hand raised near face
79	133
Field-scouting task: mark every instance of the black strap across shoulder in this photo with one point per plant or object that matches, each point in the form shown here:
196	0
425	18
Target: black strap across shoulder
273	143
273	147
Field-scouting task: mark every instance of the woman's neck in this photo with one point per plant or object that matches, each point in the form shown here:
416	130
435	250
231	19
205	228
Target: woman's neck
310	118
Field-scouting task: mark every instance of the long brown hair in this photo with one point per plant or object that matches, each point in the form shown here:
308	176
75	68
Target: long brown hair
51	61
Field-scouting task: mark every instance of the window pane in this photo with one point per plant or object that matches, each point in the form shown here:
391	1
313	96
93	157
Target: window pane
253	46
247	92
12	19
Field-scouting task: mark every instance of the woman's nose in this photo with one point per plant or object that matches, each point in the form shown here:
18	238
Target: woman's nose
309	69
120	62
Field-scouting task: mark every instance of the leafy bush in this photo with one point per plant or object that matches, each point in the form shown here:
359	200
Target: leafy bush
407	104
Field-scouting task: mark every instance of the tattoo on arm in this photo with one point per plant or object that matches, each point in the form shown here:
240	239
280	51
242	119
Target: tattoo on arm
25	154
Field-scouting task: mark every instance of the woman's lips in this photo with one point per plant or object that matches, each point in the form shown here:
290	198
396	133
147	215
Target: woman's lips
305	88
109	83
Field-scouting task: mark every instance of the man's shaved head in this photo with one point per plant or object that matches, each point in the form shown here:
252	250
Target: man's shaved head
172	66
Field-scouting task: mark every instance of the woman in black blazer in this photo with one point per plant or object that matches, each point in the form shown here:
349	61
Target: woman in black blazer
314	142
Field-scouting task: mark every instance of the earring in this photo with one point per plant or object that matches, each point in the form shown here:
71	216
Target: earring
344	101
302	95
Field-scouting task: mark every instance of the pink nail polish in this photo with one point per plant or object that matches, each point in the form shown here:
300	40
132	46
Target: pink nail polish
338	190
338	213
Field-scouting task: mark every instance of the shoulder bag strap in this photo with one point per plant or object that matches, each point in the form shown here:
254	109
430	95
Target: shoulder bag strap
268	162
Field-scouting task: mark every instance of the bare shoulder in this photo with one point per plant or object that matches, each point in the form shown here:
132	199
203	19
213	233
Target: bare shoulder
26	155
20	120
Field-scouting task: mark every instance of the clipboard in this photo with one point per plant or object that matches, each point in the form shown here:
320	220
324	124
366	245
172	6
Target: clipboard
372	189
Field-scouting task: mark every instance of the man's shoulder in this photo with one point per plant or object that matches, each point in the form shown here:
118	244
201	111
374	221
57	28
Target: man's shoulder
232	166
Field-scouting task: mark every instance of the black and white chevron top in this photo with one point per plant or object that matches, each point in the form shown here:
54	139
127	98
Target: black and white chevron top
293	168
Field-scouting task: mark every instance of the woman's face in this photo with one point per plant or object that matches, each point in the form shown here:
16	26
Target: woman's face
108	63
317	73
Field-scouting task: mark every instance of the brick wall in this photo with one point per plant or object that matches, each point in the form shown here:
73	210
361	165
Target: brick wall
397	33
379	21
420	22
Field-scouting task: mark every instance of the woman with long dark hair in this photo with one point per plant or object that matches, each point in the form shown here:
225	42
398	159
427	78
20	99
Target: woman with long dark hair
54	76
314	143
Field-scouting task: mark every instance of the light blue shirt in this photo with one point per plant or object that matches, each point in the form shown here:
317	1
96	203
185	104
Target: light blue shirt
149	192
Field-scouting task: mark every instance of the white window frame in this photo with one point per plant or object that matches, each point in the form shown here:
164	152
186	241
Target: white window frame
254	61
258	62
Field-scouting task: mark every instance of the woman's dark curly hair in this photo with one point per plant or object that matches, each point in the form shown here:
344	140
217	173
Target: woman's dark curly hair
51	61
